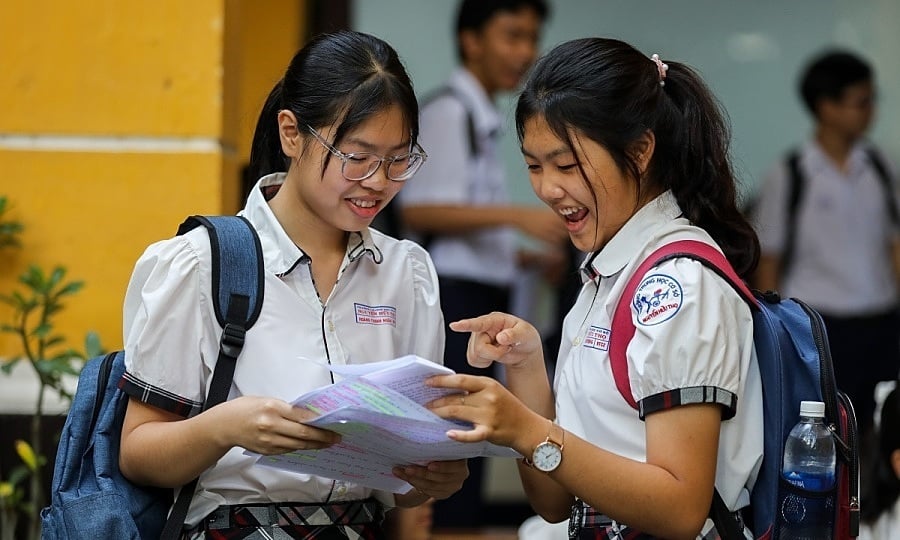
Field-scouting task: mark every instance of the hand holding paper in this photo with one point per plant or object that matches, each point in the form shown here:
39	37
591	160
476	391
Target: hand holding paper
379	411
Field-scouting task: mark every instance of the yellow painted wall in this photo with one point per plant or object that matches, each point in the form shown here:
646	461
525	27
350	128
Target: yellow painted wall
118	120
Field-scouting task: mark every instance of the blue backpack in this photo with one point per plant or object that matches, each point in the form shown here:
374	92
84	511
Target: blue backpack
794	365
90	498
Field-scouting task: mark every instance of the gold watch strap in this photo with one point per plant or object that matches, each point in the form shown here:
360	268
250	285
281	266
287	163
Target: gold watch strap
526	460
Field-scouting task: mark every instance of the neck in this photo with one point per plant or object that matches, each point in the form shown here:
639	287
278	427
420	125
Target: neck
306	230
482	79
836	146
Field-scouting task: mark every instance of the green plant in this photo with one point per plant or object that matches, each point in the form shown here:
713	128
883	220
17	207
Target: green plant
33	314
34	310
12	495
9	230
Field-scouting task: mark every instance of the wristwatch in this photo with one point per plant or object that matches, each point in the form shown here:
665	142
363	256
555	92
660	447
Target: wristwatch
547	456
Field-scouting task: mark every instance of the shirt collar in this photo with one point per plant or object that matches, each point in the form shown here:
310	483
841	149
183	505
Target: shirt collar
280	254
485	114
627	243
819	161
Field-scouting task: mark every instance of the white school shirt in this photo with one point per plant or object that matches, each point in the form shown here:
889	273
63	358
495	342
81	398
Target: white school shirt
453	176
385	304
704	341
842	262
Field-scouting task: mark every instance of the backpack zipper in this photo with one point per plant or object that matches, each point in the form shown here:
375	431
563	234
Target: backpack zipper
826	373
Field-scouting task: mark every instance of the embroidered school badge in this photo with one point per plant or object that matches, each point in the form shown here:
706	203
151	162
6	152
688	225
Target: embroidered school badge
375	314
657	299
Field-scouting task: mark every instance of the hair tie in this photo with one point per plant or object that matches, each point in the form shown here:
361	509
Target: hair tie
661	68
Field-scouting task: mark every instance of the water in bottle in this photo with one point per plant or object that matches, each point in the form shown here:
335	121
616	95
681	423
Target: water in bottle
809	464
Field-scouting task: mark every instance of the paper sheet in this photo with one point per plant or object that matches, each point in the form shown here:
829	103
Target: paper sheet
378	409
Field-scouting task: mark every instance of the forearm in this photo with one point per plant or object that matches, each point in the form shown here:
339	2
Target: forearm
457	219
530	383
640	494
172	453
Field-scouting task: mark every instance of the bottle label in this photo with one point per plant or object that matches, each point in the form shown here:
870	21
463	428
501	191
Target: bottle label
810	482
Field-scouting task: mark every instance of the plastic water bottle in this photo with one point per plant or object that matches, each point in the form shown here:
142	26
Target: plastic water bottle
809	463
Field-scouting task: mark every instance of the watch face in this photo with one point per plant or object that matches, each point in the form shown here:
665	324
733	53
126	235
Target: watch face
546	456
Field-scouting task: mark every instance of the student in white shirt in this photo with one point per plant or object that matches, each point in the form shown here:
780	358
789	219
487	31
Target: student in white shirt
631	153
335	141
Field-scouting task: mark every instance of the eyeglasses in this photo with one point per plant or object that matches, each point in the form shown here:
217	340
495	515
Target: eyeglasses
357	166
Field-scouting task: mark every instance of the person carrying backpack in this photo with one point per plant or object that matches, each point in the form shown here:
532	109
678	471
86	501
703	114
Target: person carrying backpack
631	153
459	207
336	140
829	230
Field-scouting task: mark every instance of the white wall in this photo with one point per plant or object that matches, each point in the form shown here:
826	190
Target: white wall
750	53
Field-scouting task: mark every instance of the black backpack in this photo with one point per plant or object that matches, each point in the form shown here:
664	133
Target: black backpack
89	496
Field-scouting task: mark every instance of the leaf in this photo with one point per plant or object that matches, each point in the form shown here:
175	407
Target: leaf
27	454
70	288
7	366
53	341
92	346
6	490
42	330
18	475
56	276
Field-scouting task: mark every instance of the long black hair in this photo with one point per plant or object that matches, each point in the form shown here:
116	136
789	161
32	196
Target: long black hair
881	487
346	76
611	92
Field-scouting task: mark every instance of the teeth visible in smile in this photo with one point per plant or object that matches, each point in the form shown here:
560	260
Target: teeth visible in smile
363	204
570	210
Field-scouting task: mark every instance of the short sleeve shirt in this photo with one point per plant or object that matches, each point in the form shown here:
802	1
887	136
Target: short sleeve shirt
385	304
452	175
841	263
699	350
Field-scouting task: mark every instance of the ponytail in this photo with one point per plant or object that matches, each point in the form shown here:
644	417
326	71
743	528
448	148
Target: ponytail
698	169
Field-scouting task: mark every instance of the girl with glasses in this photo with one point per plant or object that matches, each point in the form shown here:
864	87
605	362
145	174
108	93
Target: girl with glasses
334	144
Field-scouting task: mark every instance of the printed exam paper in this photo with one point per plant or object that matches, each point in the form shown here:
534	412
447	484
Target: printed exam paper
378	408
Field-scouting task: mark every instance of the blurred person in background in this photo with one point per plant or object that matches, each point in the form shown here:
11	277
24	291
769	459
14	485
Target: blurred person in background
829	231
458	207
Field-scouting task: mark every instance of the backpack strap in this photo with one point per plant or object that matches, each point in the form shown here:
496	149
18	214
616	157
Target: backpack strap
449	91
886	183
237	287
796	184
623	330
622	324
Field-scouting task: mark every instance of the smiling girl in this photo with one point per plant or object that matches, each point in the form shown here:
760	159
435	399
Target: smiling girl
632	154
334	144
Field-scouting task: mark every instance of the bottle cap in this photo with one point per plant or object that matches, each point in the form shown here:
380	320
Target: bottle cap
812	408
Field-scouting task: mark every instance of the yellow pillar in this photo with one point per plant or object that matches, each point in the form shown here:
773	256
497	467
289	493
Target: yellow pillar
119	119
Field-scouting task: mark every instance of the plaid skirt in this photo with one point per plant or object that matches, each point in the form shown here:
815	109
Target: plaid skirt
353	520
589	524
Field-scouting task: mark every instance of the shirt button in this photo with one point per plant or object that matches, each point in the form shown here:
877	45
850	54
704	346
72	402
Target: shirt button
576	341
330	326
341	490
